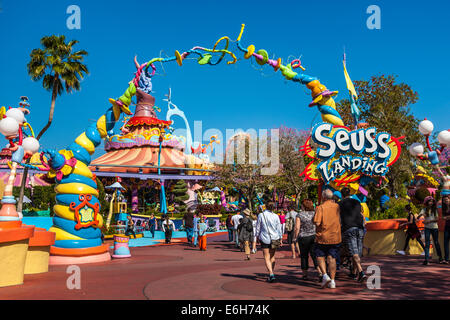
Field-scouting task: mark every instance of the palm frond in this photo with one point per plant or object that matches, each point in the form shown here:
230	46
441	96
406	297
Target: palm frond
58	64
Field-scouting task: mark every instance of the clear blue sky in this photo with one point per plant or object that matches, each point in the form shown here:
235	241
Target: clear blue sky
413	43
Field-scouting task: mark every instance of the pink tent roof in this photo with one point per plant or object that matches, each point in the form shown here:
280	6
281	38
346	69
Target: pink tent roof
32	180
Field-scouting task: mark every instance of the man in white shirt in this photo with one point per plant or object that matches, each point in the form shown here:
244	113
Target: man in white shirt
235	219
268	228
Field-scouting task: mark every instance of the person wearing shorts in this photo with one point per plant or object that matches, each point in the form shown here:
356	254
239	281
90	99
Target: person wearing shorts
290	230
352	221
268	229
328	237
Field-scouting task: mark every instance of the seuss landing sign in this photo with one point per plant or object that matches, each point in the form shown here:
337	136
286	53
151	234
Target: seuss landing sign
343	156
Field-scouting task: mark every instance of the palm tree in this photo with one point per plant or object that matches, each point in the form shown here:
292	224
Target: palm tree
59	67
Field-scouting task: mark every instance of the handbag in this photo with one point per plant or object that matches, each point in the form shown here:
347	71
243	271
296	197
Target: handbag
274	244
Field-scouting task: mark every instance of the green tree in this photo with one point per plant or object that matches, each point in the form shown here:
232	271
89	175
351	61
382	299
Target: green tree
104	210
60	68
386	105
180	189
292	163
242	171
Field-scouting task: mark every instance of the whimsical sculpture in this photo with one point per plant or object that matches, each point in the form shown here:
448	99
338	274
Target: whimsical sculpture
416	149
13	125
77	221
14	236
334	173
433	156
322	97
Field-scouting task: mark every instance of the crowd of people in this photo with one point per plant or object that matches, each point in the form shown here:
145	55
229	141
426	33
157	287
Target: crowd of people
431	218
331	235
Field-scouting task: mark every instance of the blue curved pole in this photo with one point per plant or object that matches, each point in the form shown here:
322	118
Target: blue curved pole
162	197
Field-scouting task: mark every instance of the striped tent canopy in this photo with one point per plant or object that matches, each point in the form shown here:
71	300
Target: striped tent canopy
144	156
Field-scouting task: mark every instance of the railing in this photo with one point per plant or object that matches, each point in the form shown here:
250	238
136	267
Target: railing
96	166
121	228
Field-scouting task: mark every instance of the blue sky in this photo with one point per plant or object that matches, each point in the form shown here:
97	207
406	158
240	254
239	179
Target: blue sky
413	43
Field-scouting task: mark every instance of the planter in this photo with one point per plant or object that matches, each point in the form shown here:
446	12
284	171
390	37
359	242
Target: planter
14	240
385	237
39	251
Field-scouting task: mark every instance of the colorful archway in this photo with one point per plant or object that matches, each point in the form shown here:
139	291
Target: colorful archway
76	222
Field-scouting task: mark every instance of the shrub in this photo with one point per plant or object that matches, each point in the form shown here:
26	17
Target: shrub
104	209
396	210
209	209
43	197
420	195
180	190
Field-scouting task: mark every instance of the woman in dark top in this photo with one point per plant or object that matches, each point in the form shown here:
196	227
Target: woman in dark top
305	233
446	217
152	224
412	231
130	227
229	223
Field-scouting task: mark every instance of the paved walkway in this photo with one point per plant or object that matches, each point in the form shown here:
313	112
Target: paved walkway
180	272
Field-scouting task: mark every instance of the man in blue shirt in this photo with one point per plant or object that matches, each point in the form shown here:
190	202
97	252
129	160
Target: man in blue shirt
188	222
196	221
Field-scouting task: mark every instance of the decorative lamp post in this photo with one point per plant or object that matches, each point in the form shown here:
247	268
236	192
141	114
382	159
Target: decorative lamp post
14	236
417	150
12	126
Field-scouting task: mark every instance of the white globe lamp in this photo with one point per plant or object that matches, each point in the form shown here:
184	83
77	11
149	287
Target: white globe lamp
9	126
15	114
444	138
415	149
426	127
30	144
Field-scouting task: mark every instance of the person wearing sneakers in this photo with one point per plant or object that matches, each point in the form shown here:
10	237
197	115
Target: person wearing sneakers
202	227
168	227
305	233
268	231
352	221
328	237
412	231
431	228
289	227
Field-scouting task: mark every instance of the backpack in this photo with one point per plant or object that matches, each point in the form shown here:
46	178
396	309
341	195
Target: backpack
289	226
